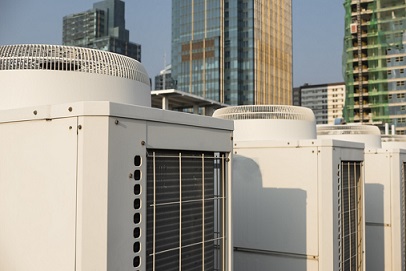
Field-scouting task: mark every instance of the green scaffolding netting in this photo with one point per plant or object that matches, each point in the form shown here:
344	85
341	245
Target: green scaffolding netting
373	32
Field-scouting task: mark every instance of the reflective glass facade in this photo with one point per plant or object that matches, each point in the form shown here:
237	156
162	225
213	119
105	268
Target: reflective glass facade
235	52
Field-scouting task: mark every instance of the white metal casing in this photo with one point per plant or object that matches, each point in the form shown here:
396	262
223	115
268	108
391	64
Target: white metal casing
66	189
288	207
285	204
384	193
385	209
394	141
270	122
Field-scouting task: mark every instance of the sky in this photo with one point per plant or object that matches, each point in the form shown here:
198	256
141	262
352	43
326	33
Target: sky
318	29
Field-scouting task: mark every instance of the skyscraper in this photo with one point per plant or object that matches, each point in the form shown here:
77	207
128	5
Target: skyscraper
235	52
102	27
375	62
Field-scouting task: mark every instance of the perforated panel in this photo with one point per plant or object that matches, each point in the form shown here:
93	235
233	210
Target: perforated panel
350	219
69	58
185	212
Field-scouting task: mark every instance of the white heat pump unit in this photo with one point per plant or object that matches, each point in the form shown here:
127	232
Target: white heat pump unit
297	201
89	183
394	141
384	194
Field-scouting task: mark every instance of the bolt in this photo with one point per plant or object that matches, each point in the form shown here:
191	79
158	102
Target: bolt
143	143
80	127
35	112
70	127
130	176
116	122
70	109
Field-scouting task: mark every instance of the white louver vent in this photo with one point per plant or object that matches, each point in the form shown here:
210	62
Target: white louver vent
367	134
270	122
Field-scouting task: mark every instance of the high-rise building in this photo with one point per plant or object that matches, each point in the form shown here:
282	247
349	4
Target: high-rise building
375	62
326	101
102	27
296	96
164	79
235	52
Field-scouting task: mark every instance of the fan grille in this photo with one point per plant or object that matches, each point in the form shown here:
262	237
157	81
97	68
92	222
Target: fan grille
347	130
281	112
69	58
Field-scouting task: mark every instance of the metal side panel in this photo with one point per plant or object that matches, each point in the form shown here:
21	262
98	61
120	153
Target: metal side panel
38	195
185	137
378	175
275	203
92	194
127	205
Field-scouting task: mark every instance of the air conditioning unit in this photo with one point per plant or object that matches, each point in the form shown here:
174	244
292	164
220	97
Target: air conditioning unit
394	141
384	193
297	201
90	183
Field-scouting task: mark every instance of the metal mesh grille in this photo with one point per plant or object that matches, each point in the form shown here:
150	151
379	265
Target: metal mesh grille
69	58
347	129
350	216
247	112
185	213
393	138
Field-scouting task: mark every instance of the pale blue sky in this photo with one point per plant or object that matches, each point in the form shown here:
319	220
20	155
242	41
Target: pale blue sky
318	27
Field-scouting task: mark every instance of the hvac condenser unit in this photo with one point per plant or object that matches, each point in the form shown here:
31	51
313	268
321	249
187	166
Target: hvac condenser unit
297	201
393	141
90	183
384	194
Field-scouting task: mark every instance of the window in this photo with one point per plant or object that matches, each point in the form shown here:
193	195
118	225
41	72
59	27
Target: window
400	83
399	59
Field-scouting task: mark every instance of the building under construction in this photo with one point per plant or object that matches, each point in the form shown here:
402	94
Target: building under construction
375	62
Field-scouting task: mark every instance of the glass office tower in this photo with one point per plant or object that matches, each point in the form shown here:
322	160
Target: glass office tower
233	51
102	27
375	62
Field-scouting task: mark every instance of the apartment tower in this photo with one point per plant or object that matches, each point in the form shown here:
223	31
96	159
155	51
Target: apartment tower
374	62
326	101
103	28
234	52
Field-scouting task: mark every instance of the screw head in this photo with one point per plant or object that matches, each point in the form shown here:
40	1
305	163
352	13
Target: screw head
143	143
70	109
35	112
